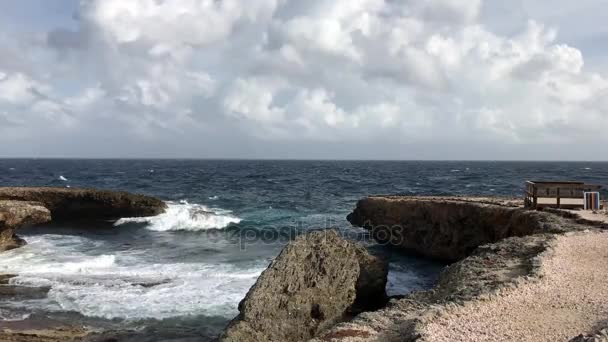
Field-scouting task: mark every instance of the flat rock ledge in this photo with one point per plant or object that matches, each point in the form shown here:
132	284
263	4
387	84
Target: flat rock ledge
523	275
448	228
22	206
318	280
93	204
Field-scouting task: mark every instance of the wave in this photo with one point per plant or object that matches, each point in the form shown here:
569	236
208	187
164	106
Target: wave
121	285
9	316
62	178
185	216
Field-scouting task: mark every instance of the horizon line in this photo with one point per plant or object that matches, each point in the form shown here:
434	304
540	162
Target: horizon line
301	159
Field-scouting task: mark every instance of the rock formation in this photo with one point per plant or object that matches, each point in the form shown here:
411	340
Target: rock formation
22	206
315	282
447	228
600	336
505	249
15	214
72	204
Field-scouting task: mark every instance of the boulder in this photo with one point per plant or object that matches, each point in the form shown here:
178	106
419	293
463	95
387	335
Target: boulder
74	204
15	214
318	280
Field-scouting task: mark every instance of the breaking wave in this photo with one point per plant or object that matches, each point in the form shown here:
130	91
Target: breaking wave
185	216
123	285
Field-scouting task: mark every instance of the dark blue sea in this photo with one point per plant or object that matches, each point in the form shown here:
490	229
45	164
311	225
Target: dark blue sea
181	275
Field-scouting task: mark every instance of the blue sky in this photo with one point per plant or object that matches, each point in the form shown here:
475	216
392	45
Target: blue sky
355	79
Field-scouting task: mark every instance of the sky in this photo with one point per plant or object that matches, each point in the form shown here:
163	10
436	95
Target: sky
314	79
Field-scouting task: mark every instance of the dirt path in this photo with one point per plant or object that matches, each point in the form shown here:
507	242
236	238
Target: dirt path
570	299
598	216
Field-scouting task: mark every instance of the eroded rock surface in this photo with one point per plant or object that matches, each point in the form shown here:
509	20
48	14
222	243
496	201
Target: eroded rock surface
313	284
600	336
15	214
447	228
487	270
71	204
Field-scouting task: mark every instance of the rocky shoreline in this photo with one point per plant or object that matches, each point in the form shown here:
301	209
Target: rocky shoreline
323	287
510	255
28	206
497	247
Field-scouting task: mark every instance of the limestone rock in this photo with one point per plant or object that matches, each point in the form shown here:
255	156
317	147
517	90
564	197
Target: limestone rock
15	214
447	229
72	204
312	285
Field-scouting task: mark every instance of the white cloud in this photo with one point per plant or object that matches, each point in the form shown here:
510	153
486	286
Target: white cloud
253	99
386	71
172	23
16	88
443	11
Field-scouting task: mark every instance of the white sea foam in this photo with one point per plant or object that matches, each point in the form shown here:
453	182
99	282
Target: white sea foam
122	285
185	216
62	178
9	316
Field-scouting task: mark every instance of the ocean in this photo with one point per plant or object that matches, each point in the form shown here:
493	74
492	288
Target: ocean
181	275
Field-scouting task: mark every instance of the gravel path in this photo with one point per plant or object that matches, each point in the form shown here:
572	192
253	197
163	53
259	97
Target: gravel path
570	299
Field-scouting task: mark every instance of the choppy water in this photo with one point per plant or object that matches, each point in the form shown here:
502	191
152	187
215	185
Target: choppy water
182	274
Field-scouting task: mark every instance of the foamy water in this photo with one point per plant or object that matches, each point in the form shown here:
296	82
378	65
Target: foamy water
123	284
185	216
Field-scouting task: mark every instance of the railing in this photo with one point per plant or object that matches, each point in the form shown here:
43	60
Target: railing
557	194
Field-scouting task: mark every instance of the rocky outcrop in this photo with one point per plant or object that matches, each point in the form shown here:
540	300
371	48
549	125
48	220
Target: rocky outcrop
318	280
600	336
447	228
73	204
489	269
20	206
15	214
501	248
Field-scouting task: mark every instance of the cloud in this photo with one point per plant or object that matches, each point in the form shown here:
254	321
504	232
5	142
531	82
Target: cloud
387	72
16	88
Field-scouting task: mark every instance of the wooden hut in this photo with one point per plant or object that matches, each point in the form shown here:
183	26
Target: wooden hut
565	195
